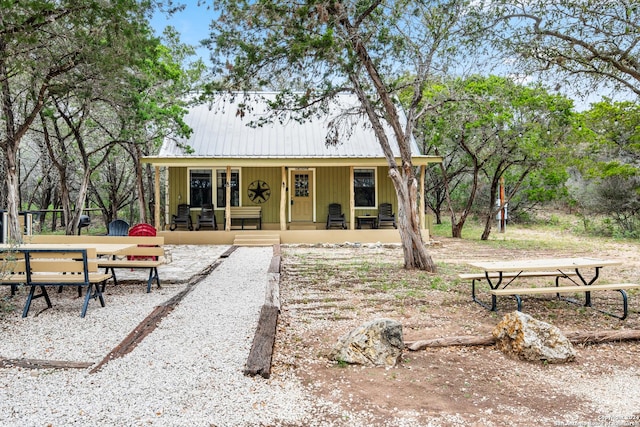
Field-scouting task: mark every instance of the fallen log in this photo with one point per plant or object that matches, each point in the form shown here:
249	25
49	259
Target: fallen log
467	340
42	364
576	337
603	336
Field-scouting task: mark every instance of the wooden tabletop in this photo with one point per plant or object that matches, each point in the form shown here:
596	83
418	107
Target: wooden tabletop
101	248
542	264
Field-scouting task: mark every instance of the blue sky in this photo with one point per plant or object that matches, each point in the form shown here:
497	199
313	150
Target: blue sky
192	23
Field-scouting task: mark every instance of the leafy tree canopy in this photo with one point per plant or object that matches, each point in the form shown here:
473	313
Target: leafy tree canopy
593	39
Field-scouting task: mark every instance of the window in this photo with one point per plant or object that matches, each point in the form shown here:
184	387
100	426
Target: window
221	190
301	184
364	188
200	187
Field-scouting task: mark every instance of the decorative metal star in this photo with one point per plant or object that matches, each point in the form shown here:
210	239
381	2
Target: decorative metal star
259	191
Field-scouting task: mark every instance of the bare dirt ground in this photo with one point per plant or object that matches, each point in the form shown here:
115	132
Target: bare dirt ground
328	291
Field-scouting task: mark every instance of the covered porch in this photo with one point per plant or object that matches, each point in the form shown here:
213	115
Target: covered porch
281	177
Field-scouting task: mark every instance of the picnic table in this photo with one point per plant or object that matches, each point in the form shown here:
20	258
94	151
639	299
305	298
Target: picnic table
581	274
102	249
38	267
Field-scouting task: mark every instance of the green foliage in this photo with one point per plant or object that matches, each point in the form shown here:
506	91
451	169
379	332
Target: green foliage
606	180
106	89
574	42
491	128
314	50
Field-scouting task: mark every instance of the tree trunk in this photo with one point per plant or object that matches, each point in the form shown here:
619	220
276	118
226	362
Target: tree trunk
413	246
14	231
140	183
10	146
487	227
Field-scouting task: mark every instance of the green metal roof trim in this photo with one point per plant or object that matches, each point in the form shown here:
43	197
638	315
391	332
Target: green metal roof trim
235	131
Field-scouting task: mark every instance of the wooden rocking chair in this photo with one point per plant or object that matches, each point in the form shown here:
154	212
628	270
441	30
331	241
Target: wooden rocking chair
336	217
183	217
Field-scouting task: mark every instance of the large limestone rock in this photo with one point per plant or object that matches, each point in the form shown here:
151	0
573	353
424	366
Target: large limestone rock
375	343
520	335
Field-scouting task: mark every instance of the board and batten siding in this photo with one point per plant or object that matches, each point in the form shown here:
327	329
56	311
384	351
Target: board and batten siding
272	176
178	190
386	191
331	186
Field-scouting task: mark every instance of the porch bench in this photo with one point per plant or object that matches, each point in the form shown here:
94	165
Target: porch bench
39	268
251	214
148	254
620	287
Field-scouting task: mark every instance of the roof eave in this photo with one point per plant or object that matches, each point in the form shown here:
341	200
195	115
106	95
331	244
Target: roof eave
281	161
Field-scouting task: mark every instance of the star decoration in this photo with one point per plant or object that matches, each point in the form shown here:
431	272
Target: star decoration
259	191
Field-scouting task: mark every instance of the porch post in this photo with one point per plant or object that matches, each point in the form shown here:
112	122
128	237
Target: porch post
166	213
283	199
156	198
352	202
227	208
423	172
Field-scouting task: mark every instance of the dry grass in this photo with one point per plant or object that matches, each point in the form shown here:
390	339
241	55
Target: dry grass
326	292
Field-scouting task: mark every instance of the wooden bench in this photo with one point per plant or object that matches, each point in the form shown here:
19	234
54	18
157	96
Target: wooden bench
85	238
39	268
142	256
511	275
620	287
252	214
12	269
149	252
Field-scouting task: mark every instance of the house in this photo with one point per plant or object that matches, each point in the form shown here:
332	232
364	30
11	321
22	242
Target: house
283	167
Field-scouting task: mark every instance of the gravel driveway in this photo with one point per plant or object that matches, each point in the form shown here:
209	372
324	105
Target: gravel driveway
187	372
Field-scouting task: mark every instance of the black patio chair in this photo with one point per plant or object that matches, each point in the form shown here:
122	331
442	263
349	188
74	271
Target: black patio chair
118	227
336	217
207	218
183	217
386	215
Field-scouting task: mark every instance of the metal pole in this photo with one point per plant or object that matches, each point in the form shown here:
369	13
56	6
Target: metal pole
503	219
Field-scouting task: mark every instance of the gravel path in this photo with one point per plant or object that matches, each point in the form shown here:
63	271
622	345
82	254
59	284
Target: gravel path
188	372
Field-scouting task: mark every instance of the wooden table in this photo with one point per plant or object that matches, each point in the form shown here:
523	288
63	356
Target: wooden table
500	274
102	249
367	219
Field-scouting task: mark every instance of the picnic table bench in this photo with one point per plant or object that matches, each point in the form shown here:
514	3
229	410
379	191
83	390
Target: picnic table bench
252	214
39	268
499	275
146	252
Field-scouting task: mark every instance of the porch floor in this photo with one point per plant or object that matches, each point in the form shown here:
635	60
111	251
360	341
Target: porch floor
207	237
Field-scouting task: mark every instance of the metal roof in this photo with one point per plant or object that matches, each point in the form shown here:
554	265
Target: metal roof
227	129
